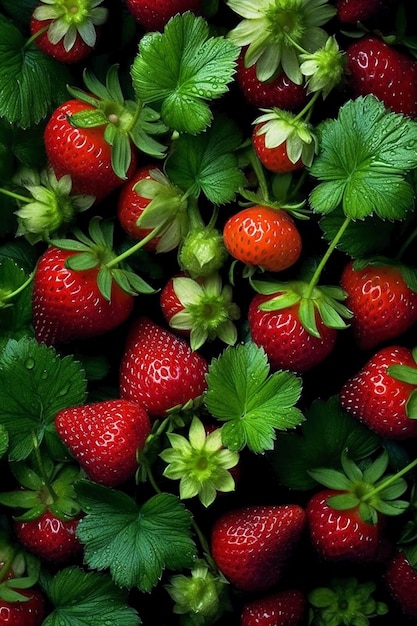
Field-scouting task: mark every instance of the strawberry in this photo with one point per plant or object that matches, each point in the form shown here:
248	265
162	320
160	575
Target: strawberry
341	535
67	304
282	608
353	11
83	153
379	397
264	237
72	30
30	611
104	437
375	67
251	545
286	341
279	91
154	14
401	583
383	305
274	158
158	369
50	538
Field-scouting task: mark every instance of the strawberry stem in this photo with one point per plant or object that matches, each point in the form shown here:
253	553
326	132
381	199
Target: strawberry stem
40	467
31	39
15	196
259	173
388	481
127	253
23	286
316	276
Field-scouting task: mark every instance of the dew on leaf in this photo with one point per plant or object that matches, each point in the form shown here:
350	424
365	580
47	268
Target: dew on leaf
29	363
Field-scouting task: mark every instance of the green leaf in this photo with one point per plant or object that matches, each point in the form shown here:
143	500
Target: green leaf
364	158
82	598
32	82
199	70
326	432
253	403
207	162
36	383
135	542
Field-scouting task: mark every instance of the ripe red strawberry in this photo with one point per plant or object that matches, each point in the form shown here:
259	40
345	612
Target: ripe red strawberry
159	370
68	305
275	159
264	237
353	11
251	545
73	28
287	343
282	608
375	67
382	303
104	437
341	535
401	583
50	538
377	398
82	152
29	612
154	14
278	92
131	205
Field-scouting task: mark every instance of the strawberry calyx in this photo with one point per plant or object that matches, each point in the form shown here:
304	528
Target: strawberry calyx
276	31
370	491
96	252
200	462
202	595
50	489
167	210
324	68
280	127
324	300
125	122
68	20
345	601
407	374
208	310
202	252
50	205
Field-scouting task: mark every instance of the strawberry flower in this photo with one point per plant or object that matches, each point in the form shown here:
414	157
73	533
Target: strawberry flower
281	126
201	463
275	30
70	19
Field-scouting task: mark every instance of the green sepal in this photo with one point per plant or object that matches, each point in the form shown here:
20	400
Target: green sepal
343	501
307	316
104	282
121	154
81	262
403	373
331	478
31	514
411	405
20	499
131	282
88	119
81	95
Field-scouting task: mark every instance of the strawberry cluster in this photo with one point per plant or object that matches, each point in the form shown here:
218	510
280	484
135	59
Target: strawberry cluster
208	312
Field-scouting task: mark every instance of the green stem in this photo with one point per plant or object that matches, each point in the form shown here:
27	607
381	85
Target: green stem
316	276
406	243
259	173
389	481
11	295
127	253
308	109
15	196
36	35
40	468
4	569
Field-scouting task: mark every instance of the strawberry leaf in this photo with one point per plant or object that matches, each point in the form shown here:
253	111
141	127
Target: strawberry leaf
326	432
199	69
35	383
365	155
135	542
206	163
32	82
251	402
84	598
